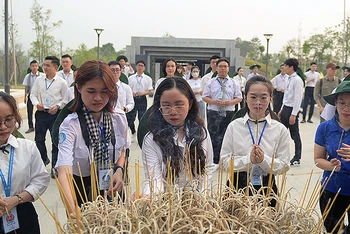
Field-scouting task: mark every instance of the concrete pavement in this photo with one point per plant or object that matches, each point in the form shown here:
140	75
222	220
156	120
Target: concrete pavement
296	176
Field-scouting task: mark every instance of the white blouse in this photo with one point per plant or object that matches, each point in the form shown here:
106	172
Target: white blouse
155	169
28	172
72	148
238	143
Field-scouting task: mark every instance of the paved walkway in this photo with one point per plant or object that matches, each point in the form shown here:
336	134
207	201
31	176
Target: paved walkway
296	176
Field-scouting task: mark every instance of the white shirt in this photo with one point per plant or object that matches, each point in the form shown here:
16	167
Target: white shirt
160	80
279	82
29	80
294	93
69	78
213	88
72	148
28	172
127	71
49	92
241	80
329	110
251	75
311	75
140	83
196	87
205	79
125	96
69	95
238	143
152	158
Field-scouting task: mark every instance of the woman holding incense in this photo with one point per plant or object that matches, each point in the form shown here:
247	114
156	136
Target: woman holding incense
175	123
94	134
257	141
332	154
22	172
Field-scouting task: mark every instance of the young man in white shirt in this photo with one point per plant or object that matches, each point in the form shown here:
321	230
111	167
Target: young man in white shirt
125	97
279	86
29	82
141	86
67	73
254	68
48	94
222	94
209	75
126	67
290	108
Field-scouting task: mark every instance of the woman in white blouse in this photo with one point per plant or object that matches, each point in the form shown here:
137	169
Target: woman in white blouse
22	172
173	123
195	82
254	139
94	129
169	69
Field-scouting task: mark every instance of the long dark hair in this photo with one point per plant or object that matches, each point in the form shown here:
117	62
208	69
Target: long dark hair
264	81
163	132
164	67
91	70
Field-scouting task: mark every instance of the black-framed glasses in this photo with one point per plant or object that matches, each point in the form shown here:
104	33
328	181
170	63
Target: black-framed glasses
8	122
342	105
166	110
115	70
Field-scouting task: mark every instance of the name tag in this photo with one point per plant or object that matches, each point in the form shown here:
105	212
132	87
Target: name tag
220	95
104	178
256	176
46	100
10	221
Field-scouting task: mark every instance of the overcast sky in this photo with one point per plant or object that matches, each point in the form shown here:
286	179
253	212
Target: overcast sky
225	19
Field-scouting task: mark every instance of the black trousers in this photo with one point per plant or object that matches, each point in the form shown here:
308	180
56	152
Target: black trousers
242	183
337	210
140	108
87	186
217	126
309	100
277	100
293	129
44	122
27	218
30	112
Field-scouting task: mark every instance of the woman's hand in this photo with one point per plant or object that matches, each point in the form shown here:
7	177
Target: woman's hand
133	197
7	204
335	163
344	152
118	182
256	154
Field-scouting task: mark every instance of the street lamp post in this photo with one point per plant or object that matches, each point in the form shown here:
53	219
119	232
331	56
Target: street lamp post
268	37
98	31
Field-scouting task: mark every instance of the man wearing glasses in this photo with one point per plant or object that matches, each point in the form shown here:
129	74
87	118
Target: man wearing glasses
222	94
326	86
141	86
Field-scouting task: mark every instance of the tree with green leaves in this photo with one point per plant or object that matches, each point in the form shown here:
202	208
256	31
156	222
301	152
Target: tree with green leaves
45	44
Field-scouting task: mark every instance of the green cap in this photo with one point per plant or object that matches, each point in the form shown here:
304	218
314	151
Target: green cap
344	87
254	65
122	57
346	67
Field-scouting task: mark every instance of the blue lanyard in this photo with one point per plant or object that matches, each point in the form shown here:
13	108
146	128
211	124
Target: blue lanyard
221	83
49	84
7	186
137	80
104	140
251	134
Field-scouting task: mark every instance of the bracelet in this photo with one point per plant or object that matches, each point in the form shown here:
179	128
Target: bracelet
121	167
20	199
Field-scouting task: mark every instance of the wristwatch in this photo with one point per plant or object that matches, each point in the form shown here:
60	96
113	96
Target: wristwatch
20	199
124	109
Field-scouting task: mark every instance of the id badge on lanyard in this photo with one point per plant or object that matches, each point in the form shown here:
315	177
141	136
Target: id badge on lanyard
105	174
9	220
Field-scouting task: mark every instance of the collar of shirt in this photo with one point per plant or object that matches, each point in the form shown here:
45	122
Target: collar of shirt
330	78
70	72
294	74
226	78
12	141
36	74
137	75
119	83
267	118
183	142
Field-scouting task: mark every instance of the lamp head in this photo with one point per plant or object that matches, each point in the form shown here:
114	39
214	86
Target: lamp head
98	30
268	36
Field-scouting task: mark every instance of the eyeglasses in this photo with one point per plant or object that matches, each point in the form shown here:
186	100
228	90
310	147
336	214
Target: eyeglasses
342	105
9	122
166	110
222	67
255	99
115	70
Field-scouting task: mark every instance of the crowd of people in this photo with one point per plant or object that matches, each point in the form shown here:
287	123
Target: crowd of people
194	123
